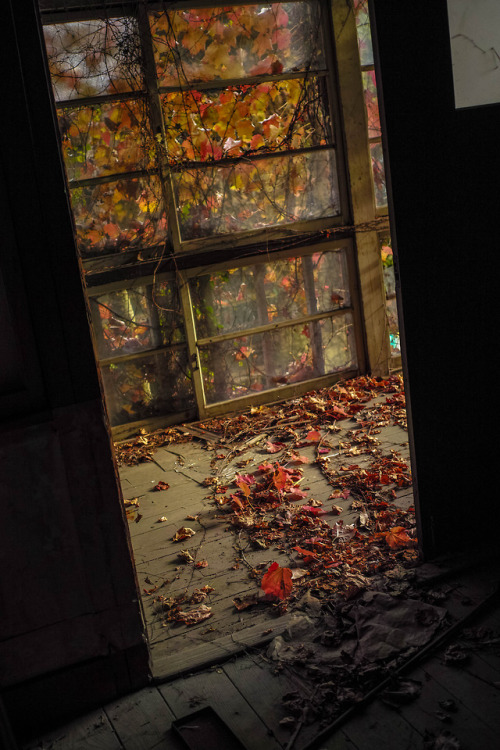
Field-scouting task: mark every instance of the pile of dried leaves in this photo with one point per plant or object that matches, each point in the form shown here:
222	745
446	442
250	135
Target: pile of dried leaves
143	447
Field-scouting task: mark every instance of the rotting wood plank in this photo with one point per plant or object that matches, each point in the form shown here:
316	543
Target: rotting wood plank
92	732
167	665
215	689
142	720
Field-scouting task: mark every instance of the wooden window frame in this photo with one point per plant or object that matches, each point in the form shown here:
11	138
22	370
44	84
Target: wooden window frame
359	221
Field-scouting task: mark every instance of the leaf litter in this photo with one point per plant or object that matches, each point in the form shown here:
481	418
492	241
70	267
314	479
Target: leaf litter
357	610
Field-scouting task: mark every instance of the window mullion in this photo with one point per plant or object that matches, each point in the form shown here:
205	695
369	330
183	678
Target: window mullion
194	356
157	124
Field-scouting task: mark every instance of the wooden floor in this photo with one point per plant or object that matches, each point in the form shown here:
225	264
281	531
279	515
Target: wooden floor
460	700
243	684
185	467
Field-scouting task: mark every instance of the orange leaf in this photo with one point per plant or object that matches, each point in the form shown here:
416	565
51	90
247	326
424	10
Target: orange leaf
397	537
313	436
277	581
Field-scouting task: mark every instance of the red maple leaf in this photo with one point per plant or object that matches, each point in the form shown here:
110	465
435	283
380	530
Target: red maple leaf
277	581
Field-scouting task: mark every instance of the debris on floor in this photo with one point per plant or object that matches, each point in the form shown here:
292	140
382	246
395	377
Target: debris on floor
317	505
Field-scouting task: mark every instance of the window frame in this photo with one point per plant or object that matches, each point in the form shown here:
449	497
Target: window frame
357	225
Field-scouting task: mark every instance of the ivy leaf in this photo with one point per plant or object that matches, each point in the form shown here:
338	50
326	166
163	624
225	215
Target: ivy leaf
277	581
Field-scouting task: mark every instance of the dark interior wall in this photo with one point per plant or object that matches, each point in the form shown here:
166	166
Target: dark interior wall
445	208
71	628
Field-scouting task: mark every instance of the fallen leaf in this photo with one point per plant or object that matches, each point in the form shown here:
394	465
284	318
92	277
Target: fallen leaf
162	519
296	458
397	537
242	603
195	616
201	564
336	510
161	486
183	533
277	581
274	447
314	436
186	556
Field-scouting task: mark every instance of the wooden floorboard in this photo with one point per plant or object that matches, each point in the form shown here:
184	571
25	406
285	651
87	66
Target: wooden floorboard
247	695
91	732
142	721
214	688
168	662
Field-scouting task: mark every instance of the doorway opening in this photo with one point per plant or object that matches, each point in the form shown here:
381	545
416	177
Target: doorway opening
225	171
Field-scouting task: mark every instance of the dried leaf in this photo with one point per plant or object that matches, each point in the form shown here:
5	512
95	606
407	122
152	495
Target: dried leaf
397	537
195	615
134	503
186	556
161	486
242	603
314	436
183	533
274	447
296	458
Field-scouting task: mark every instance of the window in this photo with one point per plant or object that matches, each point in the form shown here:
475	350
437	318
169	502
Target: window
203	154
378	171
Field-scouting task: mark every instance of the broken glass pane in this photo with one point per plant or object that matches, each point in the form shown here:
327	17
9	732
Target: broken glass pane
378	174
258	193
236	42
92	58
371	101
105	139
115	216
137	319
239	298
257	362
209	125
149	386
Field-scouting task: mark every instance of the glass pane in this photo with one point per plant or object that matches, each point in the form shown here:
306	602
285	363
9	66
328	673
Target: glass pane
241	298
393	322
364	32
105	138
150	386
205	125
91	58
378	174
371	101
261	361
255	194
137	319
236	41
116	216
